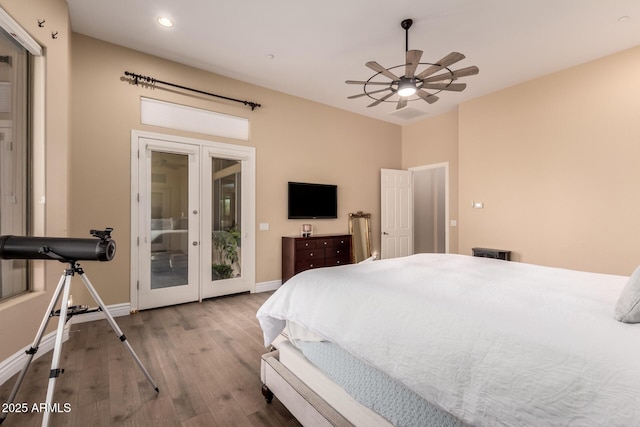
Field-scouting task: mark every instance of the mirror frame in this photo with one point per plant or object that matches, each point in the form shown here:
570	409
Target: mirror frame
367	241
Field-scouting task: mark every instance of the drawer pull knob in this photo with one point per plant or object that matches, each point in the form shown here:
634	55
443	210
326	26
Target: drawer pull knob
337	252
311	254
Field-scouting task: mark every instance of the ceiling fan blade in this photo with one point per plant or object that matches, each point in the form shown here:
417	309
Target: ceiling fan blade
367	93
450	59
456	87
427	96
378	101
413	59
402	102
358	82
468	71
380	69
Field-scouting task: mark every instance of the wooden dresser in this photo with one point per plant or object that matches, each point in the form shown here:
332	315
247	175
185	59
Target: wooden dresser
304	253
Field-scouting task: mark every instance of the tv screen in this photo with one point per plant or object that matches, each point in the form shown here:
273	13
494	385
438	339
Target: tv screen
309	201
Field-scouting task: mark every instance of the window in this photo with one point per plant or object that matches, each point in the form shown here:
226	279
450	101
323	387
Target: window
17	52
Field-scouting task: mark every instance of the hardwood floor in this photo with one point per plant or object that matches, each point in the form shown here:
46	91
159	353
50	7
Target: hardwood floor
204	357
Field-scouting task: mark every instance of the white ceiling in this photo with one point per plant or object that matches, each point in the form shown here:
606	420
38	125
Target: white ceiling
317	45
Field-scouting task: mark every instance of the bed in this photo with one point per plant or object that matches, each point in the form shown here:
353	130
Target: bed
470	341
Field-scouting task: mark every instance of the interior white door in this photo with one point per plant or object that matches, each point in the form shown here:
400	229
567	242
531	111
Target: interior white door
169	222
396	213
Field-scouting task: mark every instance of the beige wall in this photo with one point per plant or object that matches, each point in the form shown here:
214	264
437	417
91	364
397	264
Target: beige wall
436	141
295	140
555	162
21	316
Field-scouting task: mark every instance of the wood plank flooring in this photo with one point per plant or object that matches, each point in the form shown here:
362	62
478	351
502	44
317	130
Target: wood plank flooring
204	357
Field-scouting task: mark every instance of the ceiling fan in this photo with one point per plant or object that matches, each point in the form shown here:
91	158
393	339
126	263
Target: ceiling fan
433	79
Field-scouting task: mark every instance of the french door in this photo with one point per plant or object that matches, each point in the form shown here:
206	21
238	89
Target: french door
192	220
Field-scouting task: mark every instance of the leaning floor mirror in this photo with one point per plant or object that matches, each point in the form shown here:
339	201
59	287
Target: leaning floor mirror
360	230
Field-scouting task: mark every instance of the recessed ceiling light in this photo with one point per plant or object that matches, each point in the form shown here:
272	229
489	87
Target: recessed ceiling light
623	19
165	22
270	56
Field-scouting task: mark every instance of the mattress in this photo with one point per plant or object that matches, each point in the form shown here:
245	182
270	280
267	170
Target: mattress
327	389
373	388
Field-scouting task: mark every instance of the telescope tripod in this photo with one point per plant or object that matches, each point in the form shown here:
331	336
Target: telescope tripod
65	313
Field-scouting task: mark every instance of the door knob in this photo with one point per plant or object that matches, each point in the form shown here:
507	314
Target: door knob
385	233
195	243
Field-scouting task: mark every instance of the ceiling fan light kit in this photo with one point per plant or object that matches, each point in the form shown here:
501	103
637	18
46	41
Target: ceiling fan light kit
407	87
431	80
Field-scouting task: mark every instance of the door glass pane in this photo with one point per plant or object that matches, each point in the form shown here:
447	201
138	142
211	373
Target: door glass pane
169	219
226	226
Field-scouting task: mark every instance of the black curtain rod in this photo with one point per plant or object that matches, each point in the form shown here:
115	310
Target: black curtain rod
151	80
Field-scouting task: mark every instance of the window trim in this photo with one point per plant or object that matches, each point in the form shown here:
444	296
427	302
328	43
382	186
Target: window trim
36	136
19	34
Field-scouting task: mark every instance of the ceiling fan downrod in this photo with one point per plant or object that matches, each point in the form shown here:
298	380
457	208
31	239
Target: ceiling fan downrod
406	24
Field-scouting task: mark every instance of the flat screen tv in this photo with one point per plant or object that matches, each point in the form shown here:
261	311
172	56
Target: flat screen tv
312	201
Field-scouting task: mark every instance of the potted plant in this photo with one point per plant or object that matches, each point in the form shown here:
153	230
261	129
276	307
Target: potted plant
226	245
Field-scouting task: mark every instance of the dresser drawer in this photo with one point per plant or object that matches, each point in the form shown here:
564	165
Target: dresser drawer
309	264
305	244
333	261
324	243
337	252
342	243
310	254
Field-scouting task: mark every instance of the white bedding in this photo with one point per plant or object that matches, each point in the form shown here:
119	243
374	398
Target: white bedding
493	342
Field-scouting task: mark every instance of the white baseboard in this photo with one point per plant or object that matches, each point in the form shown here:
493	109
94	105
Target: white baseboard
14	364
268	286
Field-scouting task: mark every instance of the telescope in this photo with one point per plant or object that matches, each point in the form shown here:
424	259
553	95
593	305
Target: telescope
62	249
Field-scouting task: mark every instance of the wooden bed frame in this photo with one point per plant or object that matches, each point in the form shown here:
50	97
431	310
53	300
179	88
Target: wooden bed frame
310	396
303	403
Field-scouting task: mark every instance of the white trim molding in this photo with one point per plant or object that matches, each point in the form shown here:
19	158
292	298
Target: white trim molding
268	286
19	34
116	310
14	364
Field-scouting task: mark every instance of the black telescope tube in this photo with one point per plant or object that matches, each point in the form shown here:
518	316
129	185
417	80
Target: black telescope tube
56	248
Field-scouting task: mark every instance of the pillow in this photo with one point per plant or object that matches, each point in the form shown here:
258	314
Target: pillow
628	306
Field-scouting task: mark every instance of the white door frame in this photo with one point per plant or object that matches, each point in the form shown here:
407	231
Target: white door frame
444	165
248	229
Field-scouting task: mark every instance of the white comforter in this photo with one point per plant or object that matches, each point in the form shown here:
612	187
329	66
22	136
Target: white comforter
493	342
